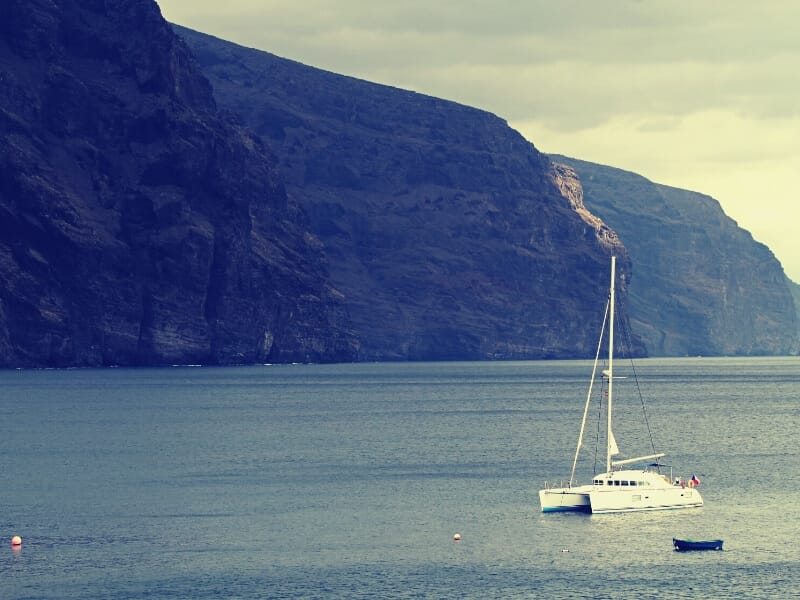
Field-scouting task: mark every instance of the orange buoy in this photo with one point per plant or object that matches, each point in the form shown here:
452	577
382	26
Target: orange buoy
16	541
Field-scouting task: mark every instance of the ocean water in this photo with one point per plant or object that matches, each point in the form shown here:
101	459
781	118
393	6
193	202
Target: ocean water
350	481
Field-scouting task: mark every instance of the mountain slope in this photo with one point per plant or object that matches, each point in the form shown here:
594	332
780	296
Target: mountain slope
703	286
447	232
794	289
137	225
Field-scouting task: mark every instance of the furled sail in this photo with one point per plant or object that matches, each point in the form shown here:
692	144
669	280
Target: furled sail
613	449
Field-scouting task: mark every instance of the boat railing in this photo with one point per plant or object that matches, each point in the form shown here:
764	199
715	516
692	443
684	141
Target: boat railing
552	485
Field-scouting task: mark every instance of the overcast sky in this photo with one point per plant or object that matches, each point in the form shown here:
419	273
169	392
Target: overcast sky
701	95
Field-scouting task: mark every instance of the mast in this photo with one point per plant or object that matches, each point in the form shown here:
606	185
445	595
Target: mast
588	397
609	435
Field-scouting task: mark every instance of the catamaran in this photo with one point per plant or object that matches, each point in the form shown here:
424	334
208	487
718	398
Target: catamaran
618	490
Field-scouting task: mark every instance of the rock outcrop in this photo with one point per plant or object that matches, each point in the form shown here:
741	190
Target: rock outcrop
703	285
446	230
794	288
137	225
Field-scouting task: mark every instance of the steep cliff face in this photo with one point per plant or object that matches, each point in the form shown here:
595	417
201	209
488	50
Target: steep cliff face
794	289
137	226
446	230
703	286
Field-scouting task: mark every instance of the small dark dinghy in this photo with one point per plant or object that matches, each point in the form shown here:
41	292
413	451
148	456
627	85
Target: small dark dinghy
696	544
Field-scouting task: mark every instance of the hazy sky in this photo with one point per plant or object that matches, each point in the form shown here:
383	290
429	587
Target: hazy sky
701	95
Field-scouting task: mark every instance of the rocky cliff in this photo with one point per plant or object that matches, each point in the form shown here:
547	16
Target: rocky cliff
447	232
137	225
794	288
703	285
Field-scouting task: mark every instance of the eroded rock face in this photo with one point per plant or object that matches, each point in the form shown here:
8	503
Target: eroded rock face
794	289
138	226
703	286
450	235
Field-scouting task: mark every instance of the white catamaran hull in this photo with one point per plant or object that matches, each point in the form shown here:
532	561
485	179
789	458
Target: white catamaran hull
600	499
603	500
565	499
632	490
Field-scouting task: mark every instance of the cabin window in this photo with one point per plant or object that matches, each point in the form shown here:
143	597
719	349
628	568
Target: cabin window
624	483
616	482
633	483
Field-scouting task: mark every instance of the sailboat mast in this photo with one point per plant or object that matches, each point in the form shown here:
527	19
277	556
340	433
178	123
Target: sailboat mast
609	434
589	397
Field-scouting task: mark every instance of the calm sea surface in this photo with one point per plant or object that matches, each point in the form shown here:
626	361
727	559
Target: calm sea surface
349	481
